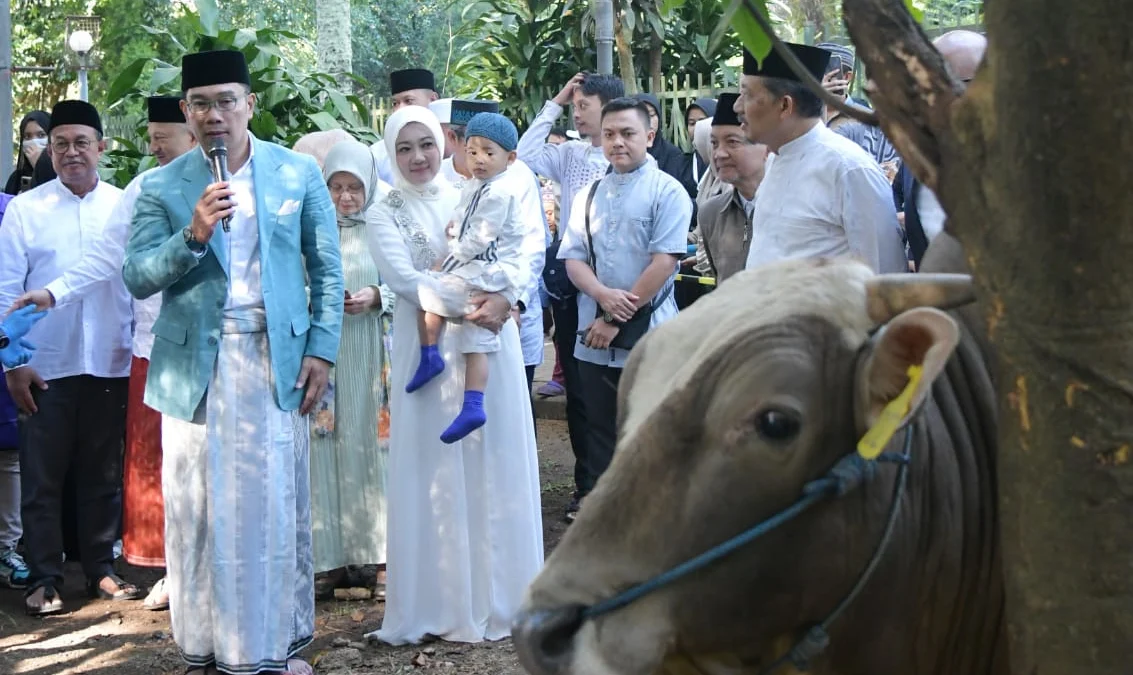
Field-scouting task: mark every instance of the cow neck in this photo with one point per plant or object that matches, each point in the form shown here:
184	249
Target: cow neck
956	510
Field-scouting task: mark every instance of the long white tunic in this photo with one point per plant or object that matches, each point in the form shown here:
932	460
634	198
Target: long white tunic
465	527
823	196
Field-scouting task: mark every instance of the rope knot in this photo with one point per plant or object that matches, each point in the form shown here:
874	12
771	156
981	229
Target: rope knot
850	472
809	647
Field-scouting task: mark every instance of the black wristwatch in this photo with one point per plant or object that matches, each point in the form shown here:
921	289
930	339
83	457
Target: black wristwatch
194	245
522	307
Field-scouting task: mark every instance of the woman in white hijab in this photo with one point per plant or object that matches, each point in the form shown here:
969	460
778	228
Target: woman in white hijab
465	528
350	425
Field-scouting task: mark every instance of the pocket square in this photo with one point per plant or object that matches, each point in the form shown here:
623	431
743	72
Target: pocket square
290	206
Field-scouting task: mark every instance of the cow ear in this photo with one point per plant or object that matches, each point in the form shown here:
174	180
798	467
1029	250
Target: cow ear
907	356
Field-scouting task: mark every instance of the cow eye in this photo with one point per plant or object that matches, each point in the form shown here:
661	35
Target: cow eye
776	425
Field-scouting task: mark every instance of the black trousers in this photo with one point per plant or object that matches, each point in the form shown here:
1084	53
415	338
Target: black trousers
600	387
566	336
80	426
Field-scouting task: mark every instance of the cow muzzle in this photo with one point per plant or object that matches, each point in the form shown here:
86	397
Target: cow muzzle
544	638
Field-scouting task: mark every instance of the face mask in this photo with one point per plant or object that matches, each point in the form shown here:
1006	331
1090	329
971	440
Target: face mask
34	145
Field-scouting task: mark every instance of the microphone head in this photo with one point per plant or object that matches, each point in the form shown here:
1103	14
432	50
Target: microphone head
217	147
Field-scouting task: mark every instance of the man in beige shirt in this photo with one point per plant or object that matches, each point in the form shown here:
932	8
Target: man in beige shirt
724	221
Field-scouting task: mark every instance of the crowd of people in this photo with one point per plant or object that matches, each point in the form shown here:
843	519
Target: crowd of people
321	366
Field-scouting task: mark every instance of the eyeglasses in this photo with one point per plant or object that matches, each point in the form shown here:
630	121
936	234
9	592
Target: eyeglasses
202	107
61	147
336	189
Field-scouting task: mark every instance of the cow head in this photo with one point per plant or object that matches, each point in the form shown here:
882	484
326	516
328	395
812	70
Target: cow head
724	414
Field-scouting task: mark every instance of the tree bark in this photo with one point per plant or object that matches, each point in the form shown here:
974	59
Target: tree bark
1032	164
626	70
335	55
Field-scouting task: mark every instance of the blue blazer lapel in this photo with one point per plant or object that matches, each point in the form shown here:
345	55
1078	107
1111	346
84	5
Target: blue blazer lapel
196	177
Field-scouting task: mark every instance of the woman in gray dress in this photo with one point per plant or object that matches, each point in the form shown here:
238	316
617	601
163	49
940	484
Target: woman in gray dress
350	426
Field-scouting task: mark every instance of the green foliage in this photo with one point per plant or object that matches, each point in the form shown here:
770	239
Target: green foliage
916	8
521	52
750	33
290	102
525	51
396	34
38	30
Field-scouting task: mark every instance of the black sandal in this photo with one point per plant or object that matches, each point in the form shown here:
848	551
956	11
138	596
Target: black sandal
52	603
126	591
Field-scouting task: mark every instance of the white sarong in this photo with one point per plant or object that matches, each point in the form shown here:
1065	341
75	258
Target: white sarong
236	482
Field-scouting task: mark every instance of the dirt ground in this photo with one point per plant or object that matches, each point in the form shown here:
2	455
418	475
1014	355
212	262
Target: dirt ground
104	638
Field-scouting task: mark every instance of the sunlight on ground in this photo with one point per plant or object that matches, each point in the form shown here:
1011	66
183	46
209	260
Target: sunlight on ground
70	652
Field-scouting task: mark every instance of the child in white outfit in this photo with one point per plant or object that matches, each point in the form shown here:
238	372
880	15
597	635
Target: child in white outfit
486	221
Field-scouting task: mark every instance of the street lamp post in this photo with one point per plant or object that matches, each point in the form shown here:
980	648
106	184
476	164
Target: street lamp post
81	42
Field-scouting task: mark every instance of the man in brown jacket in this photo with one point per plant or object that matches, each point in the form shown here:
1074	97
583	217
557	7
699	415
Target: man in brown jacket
724	221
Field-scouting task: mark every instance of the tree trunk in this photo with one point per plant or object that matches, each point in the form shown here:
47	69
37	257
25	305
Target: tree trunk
656	52
1032	164
333	41
626	70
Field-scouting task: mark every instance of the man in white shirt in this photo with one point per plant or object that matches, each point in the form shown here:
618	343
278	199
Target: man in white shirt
73	392
143	520
823	196
573	165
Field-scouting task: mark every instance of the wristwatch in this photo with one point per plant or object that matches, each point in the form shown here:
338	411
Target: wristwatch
609	318
194	245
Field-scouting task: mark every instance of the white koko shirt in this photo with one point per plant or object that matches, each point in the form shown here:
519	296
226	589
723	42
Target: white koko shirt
823	196
46	231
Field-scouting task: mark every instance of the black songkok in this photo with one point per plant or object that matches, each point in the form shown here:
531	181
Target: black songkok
165	109
75	112
725	111
205	69
813	58
413	78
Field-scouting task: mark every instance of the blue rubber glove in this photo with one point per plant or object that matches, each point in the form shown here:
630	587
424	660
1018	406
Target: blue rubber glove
17	324
17	353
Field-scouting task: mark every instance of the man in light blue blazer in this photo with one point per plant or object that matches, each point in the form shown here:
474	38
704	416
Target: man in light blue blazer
241	353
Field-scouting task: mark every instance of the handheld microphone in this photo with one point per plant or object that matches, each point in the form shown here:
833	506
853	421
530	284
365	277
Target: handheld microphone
218	159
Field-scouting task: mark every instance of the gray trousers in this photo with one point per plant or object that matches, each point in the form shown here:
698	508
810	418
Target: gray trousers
10	529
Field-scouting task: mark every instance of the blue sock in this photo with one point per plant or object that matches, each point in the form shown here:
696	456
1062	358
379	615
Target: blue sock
470	419
430	366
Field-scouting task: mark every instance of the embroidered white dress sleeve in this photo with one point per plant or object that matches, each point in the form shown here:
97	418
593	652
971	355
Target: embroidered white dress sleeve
399	248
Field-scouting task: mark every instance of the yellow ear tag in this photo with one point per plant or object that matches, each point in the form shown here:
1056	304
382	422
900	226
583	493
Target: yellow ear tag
879	435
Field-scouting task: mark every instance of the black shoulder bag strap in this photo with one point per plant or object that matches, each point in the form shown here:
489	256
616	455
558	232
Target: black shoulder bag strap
590	245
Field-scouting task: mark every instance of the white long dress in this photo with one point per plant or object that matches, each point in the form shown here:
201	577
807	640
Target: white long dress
465	527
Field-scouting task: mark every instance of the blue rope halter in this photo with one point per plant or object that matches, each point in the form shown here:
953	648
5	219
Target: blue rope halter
849	473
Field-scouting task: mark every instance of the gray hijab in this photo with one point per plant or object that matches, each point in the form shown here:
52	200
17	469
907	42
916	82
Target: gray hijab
354	158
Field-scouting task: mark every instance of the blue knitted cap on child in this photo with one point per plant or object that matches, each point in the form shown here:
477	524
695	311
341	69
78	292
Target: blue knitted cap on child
494	127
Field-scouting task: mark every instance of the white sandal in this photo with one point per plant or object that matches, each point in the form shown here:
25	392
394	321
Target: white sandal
158	598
